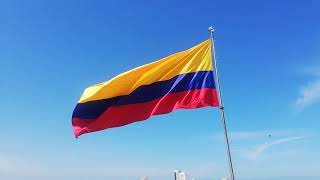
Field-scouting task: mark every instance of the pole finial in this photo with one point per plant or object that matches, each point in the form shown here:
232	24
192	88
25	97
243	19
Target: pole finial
210	29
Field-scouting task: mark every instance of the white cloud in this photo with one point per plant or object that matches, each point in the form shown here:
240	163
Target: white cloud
260	149
310	93
252	144
312	70
18	166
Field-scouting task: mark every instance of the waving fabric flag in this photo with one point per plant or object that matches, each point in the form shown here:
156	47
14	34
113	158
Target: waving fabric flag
183	80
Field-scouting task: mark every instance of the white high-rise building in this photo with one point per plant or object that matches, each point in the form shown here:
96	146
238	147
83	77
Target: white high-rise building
179	175
144	178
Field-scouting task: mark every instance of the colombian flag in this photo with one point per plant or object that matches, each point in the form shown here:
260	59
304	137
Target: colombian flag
184	80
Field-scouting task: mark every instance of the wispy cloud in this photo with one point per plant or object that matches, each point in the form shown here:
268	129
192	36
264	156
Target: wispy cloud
16	165
312	70
310	93
253	144
260	149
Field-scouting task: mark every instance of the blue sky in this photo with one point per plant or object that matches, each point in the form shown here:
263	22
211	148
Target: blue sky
270	73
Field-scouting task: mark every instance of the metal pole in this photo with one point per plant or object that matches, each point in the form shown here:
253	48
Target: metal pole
221	107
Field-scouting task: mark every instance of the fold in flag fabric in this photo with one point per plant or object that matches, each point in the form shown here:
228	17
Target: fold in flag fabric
184	80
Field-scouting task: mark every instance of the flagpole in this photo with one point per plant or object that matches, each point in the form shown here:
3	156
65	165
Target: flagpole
221	107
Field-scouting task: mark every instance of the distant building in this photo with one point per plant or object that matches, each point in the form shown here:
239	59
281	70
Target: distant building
179	175
144	178
225	179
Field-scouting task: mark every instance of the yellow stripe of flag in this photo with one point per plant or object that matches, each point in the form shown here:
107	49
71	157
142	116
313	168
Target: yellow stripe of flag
197	58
